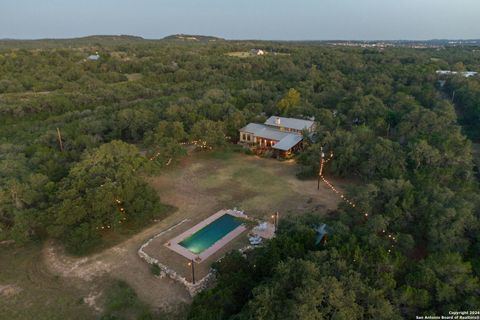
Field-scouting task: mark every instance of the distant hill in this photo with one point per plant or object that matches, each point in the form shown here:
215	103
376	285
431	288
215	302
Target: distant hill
95	40
115	40
192	38
99	40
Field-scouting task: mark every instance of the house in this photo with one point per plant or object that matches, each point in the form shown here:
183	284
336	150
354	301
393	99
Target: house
466	74
282	135
93	57
257	52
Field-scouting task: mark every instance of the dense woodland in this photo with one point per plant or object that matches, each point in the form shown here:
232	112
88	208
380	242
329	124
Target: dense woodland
383	113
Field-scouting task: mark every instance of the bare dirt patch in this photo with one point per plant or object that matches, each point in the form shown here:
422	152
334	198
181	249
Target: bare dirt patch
28	290
9	290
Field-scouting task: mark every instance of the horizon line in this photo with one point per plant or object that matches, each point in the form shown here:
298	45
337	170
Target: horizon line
236	39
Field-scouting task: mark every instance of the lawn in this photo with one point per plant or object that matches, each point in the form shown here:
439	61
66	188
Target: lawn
247	54
205	183
42	282
240	54
30	291
212	181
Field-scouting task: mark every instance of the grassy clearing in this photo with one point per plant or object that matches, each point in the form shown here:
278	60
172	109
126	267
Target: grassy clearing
247	54
239	54
207	182
259	186
35	292
256	185
122	303
134	76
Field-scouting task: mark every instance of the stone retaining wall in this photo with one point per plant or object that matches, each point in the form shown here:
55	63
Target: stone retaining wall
193	289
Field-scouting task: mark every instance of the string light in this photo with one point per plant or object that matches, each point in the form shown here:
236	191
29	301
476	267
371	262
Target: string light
202	144
122	218
323	161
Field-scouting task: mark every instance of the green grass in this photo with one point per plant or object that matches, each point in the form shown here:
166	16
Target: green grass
239	54
219	154
122	303
238	180
134	76
155	269
40	294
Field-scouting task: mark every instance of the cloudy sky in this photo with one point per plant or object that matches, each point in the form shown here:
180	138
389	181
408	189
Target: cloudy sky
243	19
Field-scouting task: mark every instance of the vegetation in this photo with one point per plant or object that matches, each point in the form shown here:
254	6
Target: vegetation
381	112
155	269
29	291
466	94
122	303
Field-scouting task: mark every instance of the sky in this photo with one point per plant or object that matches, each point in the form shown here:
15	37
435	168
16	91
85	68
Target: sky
244	19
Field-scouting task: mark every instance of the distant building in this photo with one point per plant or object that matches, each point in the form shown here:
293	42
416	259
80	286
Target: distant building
257	52
93	57
283	135
466	74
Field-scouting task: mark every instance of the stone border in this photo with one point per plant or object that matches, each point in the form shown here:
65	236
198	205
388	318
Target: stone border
192	289
172	274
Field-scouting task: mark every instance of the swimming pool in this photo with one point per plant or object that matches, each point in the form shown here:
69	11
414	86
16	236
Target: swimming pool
211	233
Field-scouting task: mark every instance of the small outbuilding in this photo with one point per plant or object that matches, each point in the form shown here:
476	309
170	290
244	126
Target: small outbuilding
93	57
257	52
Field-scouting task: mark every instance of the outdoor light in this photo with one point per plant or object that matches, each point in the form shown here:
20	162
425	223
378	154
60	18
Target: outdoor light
342	196
191	264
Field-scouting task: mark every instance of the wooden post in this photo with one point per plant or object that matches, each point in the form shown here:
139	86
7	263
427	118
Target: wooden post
60	139
192	263
320	170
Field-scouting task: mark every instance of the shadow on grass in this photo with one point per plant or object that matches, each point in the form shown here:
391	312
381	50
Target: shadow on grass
113	237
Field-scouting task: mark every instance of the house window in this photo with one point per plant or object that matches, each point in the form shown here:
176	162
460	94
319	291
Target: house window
248	137
243	136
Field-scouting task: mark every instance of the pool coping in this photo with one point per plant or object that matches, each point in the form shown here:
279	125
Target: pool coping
174	245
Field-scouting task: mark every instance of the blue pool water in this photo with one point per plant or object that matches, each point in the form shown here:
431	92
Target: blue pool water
211	233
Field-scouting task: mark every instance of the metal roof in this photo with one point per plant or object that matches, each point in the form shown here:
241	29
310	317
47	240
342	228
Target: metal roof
292	123
262	131
290	141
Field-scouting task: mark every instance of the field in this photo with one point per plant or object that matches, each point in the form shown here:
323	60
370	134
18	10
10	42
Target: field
201	186
240	54
46	279
247	54
28	290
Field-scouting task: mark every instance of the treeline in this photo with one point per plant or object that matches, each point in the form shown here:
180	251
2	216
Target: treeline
413	252
465	93
379	112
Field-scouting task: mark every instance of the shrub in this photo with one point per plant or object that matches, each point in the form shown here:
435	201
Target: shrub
155	269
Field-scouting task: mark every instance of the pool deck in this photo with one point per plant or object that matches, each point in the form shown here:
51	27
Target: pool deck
174	245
